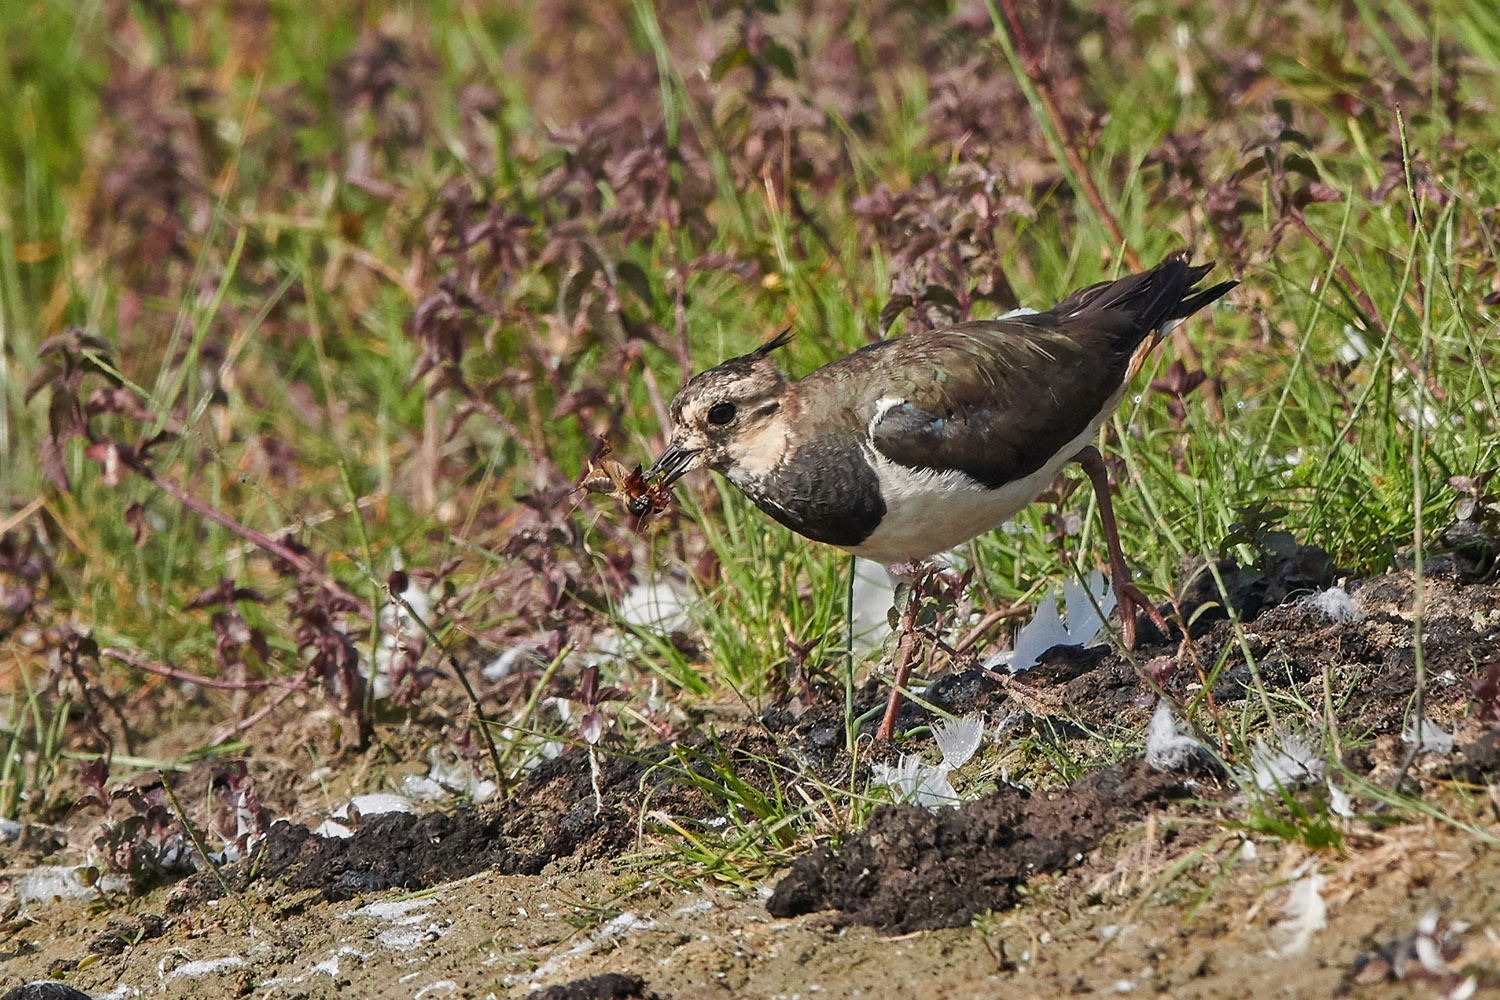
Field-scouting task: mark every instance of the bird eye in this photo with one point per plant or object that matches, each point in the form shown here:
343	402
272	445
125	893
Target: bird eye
720	414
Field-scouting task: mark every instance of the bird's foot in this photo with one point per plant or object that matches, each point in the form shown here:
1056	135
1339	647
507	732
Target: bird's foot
1129	598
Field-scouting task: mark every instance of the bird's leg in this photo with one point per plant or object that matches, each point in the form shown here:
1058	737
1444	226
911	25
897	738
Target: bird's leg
1127	594
906	639
906	642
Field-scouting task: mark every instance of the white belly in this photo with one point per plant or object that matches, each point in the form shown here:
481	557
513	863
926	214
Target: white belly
929	512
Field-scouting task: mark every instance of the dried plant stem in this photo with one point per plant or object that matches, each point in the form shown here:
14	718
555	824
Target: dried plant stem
1418	498
280	550
89	692
250	720
463	678
20	516
596	780
148	666
203	853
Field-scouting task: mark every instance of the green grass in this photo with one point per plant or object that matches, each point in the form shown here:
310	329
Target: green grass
253	233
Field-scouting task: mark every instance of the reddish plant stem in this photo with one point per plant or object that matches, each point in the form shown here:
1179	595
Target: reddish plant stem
533	450
1032	64
658	403
250	720
70	661
282	551
177	674
989	621
908	628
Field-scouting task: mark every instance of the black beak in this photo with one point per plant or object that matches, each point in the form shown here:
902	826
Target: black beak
672	464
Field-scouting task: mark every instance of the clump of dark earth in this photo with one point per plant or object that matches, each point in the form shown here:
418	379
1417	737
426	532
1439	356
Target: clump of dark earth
921	869
610	986
1474	548
44	990
388	851
552	814
1481	760
121	934
1284	569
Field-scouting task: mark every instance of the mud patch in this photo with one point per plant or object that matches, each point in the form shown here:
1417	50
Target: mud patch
609	986
389	851
553	814
919	869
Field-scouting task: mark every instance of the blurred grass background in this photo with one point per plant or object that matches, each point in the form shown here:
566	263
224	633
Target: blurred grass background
389	272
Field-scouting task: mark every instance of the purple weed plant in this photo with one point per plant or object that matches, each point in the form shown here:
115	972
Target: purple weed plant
139	835
320	606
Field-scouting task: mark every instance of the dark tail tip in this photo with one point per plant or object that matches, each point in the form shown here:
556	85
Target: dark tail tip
1192	303
1177	296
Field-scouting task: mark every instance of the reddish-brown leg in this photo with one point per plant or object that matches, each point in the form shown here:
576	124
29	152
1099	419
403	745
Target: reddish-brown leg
906	626
1127	595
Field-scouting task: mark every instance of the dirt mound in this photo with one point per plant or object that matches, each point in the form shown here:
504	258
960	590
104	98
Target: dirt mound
390	851
553	814
609	986
920	869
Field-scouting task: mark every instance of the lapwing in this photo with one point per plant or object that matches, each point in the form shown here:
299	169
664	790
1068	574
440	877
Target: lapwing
910	446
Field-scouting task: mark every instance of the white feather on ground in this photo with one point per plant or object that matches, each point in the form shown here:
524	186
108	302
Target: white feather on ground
1287	761
916	782
1434	738
1047	628
958	739
1167	747
1333	604
1306	914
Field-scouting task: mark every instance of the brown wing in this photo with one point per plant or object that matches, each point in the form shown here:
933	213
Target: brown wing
995	400
998	399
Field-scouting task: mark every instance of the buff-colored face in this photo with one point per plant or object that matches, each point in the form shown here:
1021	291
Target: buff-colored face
729	419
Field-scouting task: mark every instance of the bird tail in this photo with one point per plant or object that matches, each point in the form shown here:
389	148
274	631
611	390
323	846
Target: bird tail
1151	298
1154	301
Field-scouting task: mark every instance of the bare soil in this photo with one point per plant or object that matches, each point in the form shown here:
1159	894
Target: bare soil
1126	880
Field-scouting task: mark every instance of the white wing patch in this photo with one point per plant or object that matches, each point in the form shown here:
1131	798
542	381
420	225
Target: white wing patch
883	405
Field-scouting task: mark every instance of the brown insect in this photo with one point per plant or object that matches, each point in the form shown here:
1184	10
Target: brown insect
629	487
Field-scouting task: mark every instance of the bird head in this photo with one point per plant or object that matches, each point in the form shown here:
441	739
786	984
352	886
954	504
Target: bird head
726	416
